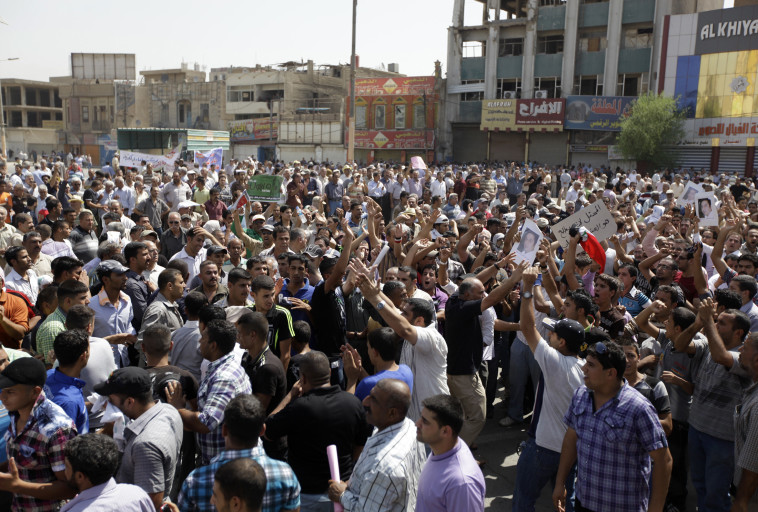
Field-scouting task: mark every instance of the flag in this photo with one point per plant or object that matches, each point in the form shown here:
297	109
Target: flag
241	201
593	249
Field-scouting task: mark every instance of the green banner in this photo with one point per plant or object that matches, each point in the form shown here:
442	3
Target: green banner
264	187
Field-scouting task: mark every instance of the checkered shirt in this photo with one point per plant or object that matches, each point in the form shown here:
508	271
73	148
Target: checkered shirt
51	327
613	465
38	450
224	380
282	487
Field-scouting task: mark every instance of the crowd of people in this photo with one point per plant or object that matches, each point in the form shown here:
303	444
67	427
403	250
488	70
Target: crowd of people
169	343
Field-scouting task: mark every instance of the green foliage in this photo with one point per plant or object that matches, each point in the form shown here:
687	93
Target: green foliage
654	122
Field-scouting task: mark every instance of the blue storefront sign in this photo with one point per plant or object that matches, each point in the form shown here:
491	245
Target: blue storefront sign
596	112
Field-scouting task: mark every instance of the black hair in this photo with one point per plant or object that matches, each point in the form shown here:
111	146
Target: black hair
167	277
238	274
746	284
70	288
447	410
11	254
302	333
245	479
582	300
633	272
298	257
131	250
752	258
253	321
413	274
223	334
70	345
96	456
728	299
209	312
383	341
262	282
612	358
78	316
741	322
63	264
157	340
244	416
315	366
683	317
193	303
422	308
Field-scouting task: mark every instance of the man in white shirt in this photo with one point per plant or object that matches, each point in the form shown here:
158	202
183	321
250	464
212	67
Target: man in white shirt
438	186
561	376
21	278
124	194
176	192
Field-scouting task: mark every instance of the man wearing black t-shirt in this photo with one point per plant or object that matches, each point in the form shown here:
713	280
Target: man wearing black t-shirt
265	371
328	301
279	320
610	319
463	335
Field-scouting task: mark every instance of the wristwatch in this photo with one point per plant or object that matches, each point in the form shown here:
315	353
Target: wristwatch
380	305
527	295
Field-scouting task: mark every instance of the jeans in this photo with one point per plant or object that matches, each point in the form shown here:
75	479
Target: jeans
712	469
469	390
493	365
315	503
522	365
536	467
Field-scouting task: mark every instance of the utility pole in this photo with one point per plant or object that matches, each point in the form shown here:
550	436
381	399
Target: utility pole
351	119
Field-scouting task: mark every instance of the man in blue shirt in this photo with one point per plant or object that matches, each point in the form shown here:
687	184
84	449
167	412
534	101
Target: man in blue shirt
63	386
381	352
297	287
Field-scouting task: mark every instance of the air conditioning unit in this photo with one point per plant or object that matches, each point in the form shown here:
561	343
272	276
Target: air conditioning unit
509	95
540	95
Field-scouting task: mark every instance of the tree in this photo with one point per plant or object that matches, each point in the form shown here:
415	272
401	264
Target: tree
653	123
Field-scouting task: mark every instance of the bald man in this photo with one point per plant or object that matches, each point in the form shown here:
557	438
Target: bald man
387	472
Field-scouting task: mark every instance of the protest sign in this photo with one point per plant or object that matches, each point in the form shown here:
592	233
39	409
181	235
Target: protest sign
212	156
265	187
689	192
417	163
707	211
595	217
159	162
526	250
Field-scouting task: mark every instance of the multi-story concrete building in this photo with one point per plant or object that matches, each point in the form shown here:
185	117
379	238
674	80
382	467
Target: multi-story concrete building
540	50
290	111
33	114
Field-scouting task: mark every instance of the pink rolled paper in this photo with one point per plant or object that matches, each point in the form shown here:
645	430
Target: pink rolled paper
334	468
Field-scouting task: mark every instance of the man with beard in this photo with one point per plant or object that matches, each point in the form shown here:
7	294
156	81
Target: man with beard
210	285
113	308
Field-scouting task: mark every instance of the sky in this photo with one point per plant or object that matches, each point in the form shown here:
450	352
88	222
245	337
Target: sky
164	33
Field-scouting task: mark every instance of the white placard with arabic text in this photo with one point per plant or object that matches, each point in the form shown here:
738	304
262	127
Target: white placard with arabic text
595	217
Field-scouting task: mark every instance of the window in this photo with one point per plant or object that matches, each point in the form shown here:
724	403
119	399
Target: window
85	114
475	95
164	114
183	111
637	38
379	112
632	84
510	47
546	3
593	41
473	49
240	95
508	88
550	44
205	112
399	117
360	117
551	85
589	85
419	121
112	114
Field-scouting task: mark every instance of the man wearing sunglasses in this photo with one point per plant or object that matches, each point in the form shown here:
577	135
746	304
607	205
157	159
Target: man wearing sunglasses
613	436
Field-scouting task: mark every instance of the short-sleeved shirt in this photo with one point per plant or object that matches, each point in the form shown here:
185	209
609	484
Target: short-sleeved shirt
279	327
153	445
427	360
224	380
717	392
463	335
54	324
746	433
451	481
84	243
17	311
66	392
612	322
282	487
38	450
330	336
613	465
367	384
321	417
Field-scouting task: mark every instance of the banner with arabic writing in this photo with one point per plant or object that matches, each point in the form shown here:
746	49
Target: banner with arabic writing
212	156
523	115
602	113
595	217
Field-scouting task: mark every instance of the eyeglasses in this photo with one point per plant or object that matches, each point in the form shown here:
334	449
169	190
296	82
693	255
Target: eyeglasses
173	222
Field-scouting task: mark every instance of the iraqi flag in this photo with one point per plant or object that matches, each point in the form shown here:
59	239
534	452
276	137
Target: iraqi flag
590	245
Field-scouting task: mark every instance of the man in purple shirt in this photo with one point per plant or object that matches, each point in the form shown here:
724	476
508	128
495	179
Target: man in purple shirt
451	479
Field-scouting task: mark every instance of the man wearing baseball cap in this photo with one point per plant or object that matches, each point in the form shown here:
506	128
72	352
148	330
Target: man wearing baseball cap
561	376
153	437
38	432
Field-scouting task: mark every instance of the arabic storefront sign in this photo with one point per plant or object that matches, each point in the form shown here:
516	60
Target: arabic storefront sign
388	139
721	131
523	115
595	217
398	86
264	187
253	129
159	162
588	148
540	112
727	30
597	112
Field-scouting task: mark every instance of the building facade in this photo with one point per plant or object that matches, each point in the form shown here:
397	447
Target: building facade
33	113
710	62
544	50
